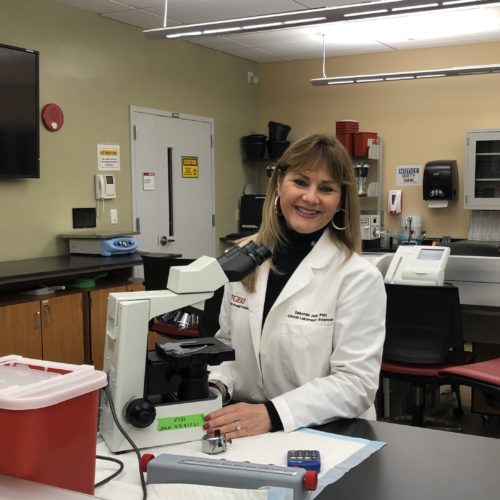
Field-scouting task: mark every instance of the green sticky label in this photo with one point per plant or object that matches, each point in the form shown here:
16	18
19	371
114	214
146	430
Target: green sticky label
180	422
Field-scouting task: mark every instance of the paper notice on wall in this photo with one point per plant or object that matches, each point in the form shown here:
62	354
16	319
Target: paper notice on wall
148	181
408	175
108	157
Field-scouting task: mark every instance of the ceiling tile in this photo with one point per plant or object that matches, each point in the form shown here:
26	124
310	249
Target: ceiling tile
198	11
97	6
137	17
478	24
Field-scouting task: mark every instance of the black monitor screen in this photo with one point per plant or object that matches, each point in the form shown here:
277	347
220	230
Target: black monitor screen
19	121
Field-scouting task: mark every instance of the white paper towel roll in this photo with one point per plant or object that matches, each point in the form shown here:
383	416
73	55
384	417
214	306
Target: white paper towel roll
437	203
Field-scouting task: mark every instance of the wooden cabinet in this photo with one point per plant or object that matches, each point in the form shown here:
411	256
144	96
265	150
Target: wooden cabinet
482	169
50	329
20	330
98	305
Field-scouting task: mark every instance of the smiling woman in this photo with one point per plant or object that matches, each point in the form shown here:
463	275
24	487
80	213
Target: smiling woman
308	200
309	340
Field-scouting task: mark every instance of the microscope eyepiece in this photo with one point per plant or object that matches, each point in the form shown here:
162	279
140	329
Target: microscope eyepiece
239	262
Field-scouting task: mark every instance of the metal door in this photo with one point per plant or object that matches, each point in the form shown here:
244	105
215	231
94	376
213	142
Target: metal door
173	182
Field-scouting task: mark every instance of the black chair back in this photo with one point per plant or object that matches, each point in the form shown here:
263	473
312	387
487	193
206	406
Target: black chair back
423	325
157	266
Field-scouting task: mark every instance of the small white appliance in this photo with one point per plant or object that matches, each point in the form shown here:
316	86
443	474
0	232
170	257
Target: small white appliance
418	265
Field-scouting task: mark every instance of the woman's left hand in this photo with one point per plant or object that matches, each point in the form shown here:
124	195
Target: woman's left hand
238	420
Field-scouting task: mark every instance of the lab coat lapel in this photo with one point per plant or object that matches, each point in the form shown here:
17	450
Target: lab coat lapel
319	257
256	306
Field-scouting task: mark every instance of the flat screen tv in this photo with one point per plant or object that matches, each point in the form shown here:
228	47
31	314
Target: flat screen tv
19	115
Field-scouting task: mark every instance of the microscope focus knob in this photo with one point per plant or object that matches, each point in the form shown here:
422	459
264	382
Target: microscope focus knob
140	413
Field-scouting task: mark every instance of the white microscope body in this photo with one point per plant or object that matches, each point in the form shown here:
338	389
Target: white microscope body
163	422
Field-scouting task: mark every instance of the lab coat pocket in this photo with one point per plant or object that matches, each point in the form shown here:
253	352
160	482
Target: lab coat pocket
305	350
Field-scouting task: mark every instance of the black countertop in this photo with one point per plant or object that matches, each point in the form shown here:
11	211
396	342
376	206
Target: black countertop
418	464
50	268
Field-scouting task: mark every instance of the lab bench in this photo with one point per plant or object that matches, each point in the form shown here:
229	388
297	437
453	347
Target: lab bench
66	325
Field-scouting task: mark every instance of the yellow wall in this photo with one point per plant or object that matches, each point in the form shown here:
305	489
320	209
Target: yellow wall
419	121
95	68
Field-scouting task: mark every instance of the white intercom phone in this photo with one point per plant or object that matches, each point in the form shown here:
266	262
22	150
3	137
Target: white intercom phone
105	187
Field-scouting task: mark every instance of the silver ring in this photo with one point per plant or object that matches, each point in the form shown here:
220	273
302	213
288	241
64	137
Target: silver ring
237	425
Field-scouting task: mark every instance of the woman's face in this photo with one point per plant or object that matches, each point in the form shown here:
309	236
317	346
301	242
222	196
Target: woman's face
308	199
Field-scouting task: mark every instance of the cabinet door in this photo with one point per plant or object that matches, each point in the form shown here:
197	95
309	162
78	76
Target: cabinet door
20	330
62	328
98	314
482	176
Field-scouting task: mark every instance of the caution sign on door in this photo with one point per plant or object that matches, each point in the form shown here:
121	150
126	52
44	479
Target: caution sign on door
190	167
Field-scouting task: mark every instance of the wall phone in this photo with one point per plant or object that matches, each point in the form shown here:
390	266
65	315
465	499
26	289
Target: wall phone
105	187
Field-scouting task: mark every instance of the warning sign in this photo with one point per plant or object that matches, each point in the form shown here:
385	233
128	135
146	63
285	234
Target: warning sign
408	175
190	167
108	156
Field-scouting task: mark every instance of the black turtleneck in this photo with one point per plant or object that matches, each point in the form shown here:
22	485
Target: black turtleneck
286	259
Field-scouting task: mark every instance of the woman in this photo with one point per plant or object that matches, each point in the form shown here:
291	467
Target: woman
308	328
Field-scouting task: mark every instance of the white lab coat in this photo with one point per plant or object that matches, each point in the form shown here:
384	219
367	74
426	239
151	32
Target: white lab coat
318	354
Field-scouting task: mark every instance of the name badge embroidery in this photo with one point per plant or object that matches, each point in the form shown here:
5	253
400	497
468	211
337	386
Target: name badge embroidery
311	317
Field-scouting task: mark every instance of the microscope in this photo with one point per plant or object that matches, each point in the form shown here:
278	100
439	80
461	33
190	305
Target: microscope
160	396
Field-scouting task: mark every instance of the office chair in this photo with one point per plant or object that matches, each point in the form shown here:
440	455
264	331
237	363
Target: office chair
156	269
483	375
423	337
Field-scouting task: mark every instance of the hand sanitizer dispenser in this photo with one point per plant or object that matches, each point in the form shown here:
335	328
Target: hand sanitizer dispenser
440	183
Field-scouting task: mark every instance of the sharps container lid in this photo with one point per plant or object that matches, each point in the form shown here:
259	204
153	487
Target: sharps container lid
27	384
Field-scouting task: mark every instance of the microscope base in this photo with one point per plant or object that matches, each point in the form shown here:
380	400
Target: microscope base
174	423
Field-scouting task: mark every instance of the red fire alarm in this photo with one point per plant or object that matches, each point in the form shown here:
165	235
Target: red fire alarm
52	117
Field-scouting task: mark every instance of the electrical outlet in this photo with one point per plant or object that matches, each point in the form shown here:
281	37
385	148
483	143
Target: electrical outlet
114	215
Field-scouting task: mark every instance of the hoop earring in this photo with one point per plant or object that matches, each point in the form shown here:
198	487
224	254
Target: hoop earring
338	228
277	208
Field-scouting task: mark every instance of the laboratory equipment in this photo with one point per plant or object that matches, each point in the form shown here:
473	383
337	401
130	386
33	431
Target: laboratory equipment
161	396
48	420
166	468
361	173
307	459
214	442
105	246
369	226
477	276
418	265
251	212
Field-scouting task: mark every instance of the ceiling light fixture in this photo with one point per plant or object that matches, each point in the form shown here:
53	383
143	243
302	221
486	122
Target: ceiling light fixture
307	17
407	75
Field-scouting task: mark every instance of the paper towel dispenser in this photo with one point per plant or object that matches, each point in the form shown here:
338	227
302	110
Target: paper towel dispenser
440	180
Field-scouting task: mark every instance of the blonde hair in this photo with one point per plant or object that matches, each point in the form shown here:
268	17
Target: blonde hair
313	152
